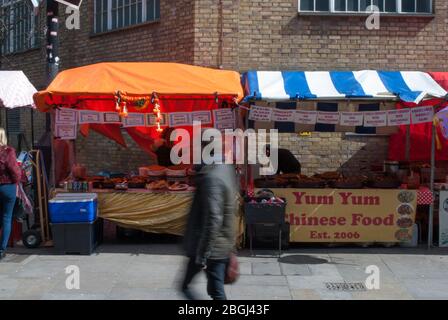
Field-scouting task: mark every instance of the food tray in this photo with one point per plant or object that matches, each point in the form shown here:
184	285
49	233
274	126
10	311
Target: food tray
270	183
310	185
176	173
136	185
159	173
347	185
384	184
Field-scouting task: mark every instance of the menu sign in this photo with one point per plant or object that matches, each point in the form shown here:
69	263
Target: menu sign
375	119
283	115
422	114
134	120
88	116
66	116
305	117
224	119
111	117
178	119
66	131
351	119
260	114
151	119
328	117
205	117
398	117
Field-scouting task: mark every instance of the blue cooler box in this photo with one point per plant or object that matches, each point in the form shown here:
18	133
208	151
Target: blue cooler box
73	207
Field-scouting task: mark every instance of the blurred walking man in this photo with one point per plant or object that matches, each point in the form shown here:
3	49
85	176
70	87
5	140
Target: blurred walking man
210	233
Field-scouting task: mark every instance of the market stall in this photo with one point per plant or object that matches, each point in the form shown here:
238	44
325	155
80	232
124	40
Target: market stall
144	100
374	204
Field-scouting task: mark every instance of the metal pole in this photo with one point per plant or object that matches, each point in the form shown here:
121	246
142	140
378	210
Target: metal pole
433	164
246	156
32	128
52	69
408	143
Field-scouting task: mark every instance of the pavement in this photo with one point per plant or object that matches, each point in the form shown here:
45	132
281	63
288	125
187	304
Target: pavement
152	271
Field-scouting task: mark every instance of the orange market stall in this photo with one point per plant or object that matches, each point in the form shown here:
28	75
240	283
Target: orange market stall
350	204
144	100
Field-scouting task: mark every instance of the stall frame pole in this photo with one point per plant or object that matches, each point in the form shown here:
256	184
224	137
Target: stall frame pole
431	207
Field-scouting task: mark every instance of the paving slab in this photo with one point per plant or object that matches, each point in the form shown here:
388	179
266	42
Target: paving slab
427	288
156	271
266	268
410	267
295	270
305	294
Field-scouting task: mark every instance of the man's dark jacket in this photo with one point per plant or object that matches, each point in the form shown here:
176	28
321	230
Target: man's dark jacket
210	232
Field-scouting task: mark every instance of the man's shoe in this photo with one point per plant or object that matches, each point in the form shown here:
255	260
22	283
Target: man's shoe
2	255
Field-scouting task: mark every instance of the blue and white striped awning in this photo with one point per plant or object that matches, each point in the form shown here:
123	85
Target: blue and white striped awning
408	86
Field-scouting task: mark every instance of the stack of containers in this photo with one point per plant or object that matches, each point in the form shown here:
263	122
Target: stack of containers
74	223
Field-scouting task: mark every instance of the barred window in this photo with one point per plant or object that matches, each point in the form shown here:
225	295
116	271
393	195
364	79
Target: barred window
359	6
18	26
117	14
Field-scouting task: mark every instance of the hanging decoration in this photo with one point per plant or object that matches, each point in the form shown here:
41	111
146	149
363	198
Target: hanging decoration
122	101
157	112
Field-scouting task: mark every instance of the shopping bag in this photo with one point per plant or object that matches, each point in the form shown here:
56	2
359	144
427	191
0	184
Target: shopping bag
232	270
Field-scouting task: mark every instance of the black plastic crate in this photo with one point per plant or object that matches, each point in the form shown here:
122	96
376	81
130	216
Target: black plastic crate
265	236
274	213
77	238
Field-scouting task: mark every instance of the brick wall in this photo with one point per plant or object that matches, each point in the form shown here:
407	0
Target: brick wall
99	153
269	34
256	34
171	39
322	152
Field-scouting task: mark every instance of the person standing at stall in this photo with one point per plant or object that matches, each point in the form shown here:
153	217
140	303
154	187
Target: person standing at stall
162	148
10	174
210	234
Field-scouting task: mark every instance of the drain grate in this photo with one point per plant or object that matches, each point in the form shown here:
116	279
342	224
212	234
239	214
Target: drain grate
345	286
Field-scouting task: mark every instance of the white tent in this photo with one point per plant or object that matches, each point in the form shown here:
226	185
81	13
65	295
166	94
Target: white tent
16	90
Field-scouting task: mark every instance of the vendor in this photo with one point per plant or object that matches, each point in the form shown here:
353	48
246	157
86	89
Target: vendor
162	148
287	162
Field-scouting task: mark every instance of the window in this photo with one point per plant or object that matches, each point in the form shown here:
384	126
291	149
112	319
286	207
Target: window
117	14
18	26
360	6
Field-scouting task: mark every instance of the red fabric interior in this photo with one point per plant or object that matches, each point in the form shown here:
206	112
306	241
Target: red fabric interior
420	144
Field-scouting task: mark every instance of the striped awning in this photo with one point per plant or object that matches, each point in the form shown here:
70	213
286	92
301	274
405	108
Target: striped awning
408	86
15	90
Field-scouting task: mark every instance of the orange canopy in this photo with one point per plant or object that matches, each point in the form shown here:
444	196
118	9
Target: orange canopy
139	78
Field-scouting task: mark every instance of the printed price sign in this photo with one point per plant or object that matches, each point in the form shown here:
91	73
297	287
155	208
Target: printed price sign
111	117
422	115
351	119
179	119
205	117
66	131
375	119
134	120
398	117
305	117
327	117
88	116
66	116
260	114
151	120
224	119
283	115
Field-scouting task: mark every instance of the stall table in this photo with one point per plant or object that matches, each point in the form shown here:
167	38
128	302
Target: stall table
163	212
